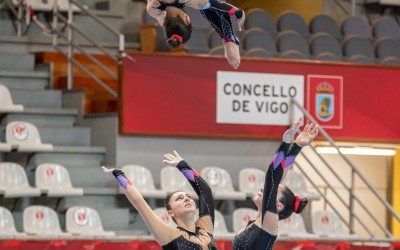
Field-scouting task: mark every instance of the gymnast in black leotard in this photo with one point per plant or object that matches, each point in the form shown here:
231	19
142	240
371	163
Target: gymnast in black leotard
190	234
275	202
177	24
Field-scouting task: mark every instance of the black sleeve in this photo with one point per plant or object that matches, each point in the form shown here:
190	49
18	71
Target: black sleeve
291	156
272	179
200	186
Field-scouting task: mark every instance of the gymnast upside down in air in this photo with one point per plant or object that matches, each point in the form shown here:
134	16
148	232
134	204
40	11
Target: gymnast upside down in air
178	27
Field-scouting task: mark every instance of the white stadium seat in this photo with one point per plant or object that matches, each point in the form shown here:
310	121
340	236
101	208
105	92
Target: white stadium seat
13	181
251	180
173	180
42	222
7	226
85	222
297	183
25	137
242	216
221	183
142	179
220	230
54	180
294	227
328	224
162	213
6	102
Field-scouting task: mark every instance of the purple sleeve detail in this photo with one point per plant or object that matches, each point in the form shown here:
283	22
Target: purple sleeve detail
278	157
289	161
188	173
123	182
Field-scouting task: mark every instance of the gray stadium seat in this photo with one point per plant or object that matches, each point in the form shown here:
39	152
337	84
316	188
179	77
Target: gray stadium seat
325	23
197	20
328	57
258	38
359	59
217	51
325	43
258	52
358	45
390	60
291	40
293	54
355	25
259	18
290	20
198	43
386	26
213	39
387	47
147	19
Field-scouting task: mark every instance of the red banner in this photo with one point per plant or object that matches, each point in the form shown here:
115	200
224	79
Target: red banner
176	96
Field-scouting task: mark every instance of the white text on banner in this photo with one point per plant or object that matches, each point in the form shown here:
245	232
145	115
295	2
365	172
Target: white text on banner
258	98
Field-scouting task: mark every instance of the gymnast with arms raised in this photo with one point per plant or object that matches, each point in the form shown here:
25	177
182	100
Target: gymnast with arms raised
178	28
190	234
275	202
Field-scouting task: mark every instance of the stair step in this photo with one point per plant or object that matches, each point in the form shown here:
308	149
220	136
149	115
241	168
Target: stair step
24	79
50	117
37	98
17	62
67	136
97	99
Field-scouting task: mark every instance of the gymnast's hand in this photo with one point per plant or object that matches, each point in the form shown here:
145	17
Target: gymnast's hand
291	132
107	170
172	159
308	134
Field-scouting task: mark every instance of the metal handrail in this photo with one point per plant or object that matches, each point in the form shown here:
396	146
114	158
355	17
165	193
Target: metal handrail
71	45
355	171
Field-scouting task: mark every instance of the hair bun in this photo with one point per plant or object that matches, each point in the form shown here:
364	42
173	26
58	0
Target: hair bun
173	42
302	205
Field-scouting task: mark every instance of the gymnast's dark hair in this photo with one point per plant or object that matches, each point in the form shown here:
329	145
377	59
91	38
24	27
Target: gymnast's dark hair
288	200
167	199
175	28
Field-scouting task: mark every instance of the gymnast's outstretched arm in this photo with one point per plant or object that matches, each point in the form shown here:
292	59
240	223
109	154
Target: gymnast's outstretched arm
200	186
283	158
162	232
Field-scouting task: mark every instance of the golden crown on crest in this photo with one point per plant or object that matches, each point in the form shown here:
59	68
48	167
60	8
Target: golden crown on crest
325	87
